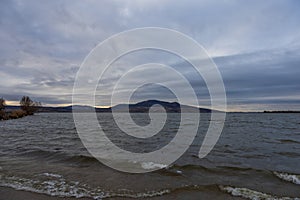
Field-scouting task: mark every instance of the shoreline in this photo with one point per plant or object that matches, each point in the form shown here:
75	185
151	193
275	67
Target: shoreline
7	193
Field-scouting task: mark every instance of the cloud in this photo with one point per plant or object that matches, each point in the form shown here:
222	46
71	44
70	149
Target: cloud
255	44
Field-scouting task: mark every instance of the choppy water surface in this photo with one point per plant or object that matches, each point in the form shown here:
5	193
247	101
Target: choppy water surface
257	157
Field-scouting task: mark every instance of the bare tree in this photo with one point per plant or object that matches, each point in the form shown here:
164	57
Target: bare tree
29	106
2	108
2	104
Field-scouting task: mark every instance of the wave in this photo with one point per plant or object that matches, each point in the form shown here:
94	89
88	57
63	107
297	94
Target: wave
252	194
178	170
59	156
190	167
235	168
52	175
56	185
288	177
215	169
288	141
81	159
152	165
53	184
39	153
77	159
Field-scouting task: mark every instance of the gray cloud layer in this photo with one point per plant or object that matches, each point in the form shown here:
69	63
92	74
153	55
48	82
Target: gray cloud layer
255	44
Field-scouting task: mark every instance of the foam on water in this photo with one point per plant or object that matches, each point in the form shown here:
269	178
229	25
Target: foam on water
51	185
56	185
288	177
152	165
52	175
252	194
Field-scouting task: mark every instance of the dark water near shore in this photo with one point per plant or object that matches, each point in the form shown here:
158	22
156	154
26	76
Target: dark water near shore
257	157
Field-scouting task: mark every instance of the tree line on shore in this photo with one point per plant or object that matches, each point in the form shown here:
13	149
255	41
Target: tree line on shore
27	107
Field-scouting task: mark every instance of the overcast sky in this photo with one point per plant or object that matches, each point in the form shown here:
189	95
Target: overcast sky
255	44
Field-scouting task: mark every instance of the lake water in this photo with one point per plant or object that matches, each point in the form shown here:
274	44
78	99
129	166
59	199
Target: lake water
256	157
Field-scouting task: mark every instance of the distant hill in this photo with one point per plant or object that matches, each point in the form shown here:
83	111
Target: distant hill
157	105
140	107
282	111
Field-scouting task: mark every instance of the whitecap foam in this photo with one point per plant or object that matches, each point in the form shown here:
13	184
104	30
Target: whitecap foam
56	185
52	175
131	194
288	177
252	194
152	165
